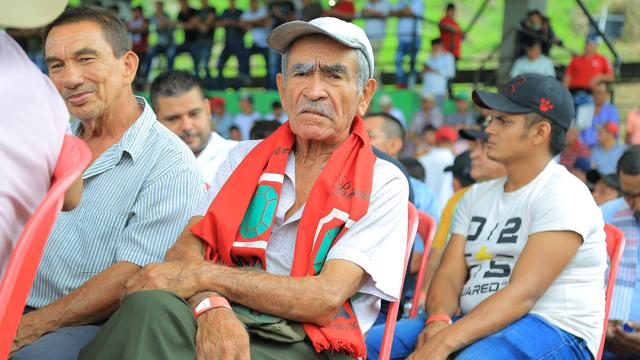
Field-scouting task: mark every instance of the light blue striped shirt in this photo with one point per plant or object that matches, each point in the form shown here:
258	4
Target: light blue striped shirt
137	198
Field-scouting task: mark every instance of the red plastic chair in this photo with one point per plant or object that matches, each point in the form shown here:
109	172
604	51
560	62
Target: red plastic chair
21	269
392	315
426	230
615	247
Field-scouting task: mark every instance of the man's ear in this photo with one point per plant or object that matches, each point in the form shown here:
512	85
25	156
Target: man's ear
131	62
367	95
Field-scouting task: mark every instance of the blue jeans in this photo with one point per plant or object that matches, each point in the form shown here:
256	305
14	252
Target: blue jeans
62	344
531	337
406	48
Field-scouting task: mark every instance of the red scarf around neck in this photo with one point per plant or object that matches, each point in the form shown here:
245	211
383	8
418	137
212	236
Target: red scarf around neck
237	225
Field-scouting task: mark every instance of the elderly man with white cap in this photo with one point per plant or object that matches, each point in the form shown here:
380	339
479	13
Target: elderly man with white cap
302	234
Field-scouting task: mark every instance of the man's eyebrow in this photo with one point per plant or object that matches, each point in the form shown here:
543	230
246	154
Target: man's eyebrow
328	69
79	52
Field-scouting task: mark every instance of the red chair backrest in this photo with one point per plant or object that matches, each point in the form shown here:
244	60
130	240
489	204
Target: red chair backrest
392	315
615	247
25	258
426	230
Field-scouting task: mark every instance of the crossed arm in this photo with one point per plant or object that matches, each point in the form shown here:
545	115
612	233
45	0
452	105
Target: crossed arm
527	284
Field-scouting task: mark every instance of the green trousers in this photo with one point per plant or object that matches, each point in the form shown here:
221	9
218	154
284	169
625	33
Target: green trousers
159	325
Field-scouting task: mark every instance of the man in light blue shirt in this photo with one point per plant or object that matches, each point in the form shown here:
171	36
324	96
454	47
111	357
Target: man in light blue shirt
409	13
139	191
605	155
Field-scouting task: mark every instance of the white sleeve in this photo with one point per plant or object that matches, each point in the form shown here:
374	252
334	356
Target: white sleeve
377	242
461	216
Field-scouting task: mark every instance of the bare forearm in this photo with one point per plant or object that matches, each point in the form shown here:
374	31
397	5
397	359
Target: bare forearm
95	300
188	247
301	299
490	316
443	296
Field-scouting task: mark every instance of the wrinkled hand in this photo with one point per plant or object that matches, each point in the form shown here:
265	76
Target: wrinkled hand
221	336
432	349
30	330
177	277
627	343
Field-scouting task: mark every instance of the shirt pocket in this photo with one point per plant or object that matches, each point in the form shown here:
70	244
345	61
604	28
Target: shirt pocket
97	233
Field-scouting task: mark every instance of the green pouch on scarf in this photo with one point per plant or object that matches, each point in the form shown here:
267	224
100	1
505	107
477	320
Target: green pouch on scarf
269	327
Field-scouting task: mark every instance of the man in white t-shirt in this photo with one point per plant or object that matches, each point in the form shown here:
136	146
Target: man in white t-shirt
180	104
375	12
527	254
247	116
437	70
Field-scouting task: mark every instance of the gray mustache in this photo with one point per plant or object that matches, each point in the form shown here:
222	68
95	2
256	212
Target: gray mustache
316	107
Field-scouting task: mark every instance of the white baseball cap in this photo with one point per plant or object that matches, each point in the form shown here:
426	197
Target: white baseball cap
346	33
28	14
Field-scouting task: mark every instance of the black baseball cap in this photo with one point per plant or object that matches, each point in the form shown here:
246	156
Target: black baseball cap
461	168
473	134
531	93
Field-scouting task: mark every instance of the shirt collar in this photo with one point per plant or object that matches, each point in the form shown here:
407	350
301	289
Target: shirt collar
132	142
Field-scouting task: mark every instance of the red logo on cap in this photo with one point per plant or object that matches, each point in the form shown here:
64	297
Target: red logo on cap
545	105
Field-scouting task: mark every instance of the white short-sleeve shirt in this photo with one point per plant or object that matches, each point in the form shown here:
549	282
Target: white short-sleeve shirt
376	242
497	225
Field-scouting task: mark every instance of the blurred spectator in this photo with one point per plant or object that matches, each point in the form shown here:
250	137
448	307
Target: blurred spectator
280	11
311	10
30	40
246	117
581	167
622	339
425	141
585	71
375	13
604	112
138	28
533	62
464	114
261	129
461	170
119	8
437	71
429	114
180	104
606	154
575	148
607	186
633	127
255	20
386	105
163	26
450	32
206	31
409	14
233	46
535	28
188	21
343	10
436	160
277	113
221	120
234	133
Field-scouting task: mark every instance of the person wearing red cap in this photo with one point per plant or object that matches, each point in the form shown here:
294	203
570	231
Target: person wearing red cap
221	119
526	259
436	160
605	155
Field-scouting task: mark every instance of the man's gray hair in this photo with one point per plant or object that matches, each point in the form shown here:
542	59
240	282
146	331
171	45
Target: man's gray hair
362	71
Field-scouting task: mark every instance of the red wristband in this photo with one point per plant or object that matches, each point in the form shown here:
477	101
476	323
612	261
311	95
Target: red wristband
211	303
434	318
